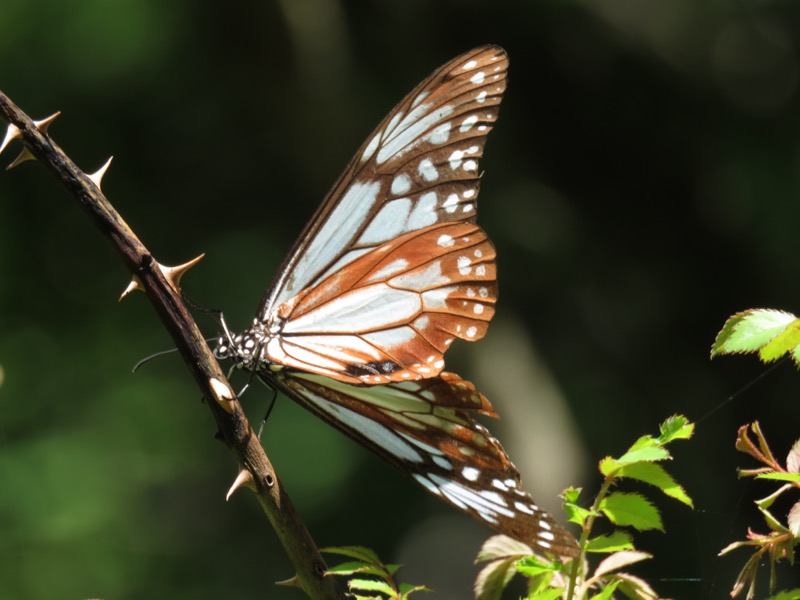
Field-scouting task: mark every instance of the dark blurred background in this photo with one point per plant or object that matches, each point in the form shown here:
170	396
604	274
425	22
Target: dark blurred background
641	186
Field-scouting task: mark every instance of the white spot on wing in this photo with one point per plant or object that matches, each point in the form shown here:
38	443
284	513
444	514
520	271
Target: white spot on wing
401	184
455	158
470	473
445	241
472	331
470	65
426	483
467	123
478	78
441	134
427	170
463	264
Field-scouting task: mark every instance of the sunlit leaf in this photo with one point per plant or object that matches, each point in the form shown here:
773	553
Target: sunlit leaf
750	330
780	476
551	594
631	510
619	560
616	541
786	341
677	427
793	594
607	591
657	476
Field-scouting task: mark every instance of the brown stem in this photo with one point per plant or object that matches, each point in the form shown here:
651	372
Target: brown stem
231	421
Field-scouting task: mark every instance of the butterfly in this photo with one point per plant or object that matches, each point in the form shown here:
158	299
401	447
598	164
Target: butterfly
390	270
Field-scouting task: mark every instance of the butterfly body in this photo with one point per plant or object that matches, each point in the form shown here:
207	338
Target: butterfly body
390	270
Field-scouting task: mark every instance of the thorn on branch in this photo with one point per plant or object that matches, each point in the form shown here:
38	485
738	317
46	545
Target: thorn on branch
97	176
243	479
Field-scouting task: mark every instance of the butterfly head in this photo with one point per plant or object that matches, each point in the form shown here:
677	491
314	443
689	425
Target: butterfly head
243	348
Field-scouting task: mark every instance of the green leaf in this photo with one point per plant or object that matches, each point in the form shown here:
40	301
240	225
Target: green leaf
780	476
576	514
494	578
647	454
657	476
677	427
357	552
607	591
786	595
372	585
632	510
406	589
784	342
531	566
616	541
571	494
750	331
356	566
551	594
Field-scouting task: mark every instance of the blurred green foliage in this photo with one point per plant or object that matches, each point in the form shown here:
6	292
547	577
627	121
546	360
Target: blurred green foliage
641	186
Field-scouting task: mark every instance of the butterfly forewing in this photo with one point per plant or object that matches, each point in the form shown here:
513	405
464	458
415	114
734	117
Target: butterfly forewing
424	428
418	170
390	314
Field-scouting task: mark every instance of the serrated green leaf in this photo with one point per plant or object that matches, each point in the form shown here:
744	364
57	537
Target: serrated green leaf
646	454
357	552
356	566
646	441
677	427
780	476
494	578
371	585
786	595
657	476
551	594
614	542
786	341
632	510
750	330
571	494
609	465
406	589
576	514
607	591
531	566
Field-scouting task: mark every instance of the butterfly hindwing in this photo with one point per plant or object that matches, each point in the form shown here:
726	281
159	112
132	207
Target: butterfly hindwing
425	429
417	171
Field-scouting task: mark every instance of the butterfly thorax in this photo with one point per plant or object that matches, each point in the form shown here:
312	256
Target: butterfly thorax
248	348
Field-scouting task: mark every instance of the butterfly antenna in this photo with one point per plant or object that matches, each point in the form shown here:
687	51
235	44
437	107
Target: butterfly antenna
147	359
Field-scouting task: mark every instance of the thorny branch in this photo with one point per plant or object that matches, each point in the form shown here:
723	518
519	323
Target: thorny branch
161	286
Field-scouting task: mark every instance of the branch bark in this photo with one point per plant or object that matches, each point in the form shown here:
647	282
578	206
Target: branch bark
233	425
